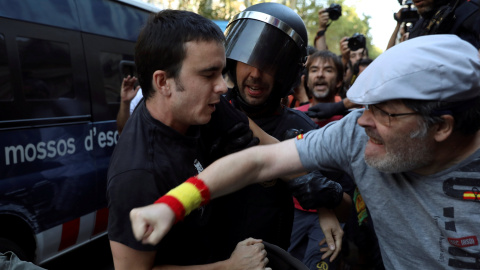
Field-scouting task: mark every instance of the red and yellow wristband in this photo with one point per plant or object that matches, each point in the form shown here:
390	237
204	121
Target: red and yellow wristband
187	197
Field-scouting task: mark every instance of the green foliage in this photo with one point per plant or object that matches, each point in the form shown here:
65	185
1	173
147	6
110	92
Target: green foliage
347	25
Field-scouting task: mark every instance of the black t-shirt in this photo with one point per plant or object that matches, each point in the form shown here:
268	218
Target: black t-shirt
149	160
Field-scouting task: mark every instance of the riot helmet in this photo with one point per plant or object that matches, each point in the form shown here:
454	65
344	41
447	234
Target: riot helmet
272	38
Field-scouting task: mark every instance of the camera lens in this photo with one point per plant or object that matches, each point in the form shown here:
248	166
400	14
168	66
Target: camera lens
409	15
357	41
334	11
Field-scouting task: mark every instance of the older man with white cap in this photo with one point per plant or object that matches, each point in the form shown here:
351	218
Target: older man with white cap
414	153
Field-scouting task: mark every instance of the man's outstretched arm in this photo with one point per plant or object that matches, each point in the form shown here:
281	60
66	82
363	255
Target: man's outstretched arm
226	175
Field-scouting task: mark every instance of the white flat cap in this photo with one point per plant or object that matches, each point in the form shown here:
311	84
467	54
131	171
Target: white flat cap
434	67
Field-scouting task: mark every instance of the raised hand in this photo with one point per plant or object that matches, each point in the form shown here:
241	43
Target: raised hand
128	89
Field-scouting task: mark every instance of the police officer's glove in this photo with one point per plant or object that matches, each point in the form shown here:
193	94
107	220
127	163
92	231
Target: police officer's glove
314	191
237	138
326	110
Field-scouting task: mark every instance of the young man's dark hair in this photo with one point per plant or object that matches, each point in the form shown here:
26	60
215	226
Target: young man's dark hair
161	44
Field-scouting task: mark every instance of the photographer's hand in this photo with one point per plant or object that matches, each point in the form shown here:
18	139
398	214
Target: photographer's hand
320	41
345	51
398	16
393	38
323	19
127	92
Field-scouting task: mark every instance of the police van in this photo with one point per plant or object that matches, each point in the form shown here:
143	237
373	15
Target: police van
61	67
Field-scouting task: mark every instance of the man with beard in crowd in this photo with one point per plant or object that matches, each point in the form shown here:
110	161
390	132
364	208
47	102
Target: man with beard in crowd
459	17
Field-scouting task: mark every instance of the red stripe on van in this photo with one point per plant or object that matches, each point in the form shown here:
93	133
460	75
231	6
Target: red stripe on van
101	221
70	232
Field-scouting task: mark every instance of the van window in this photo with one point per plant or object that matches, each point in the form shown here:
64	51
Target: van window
46	69
111	19
61	66
112	76
61	13
48	76
6	91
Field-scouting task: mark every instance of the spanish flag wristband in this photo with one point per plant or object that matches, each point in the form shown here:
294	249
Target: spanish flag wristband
186	197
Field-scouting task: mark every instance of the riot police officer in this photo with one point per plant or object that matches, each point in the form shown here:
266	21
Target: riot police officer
266	51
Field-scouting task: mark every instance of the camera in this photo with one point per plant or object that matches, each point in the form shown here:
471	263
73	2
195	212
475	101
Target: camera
357	41
334	11
127	68
408	14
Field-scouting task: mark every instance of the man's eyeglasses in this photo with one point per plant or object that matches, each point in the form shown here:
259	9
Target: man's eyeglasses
384	117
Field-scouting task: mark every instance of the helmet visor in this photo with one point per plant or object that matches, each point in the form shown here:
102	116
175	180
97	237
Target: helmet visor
264	47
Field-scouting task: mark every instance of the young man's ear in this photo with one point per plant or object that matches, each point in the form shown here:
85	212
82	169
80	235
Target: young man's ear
445	129
160	82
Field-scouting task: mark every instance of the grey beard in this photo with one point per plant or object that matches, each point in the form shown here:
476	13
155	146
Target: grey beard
407	158
401	162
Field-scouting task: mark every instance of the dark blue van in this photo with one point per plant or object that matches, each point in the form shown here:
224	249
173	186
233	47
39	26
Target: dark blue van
60	76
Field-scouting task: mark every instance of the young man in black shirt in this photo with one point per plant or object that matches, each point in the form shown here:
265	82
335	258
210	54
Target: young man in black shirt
171	136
